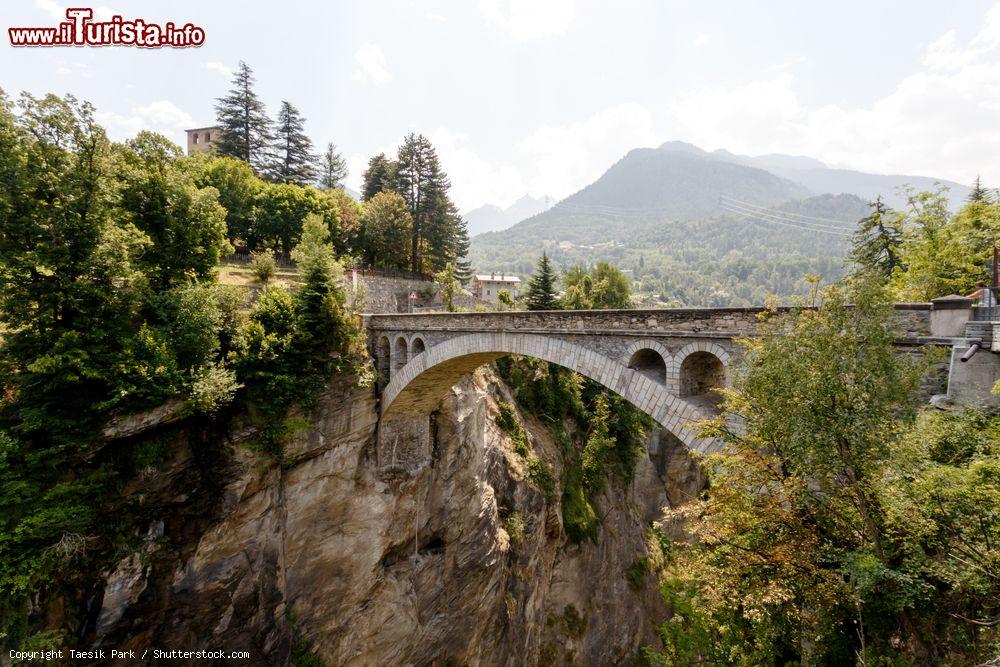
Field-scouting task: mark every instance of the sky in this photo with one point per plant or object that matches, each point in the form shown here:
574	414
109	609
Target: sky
542	96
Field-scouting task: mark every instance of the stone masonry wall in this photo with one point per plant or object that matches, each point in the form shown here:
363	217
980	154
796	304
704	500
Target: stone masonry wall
913	320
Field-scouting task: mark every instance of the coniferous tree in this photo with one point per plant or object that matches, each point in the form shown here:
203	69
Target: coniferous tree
979	193
436	221
333	169
378	177
294	161
246	129
463	270
541	293
877	241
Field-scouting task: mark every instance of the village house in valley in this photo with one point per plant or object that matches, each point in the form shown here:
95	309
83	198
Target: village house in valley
486	287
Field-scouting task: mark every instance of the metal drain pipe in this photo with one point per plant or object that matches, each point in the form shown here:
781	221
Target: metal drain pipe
976	344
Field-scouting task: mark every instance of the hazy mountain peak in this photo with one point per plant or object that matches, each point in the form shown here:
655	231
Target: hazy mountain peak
491	218
681	147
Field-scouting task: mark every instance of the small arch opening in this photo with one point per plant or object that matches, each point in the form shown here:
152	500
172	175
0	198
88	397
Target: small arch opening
400	354
382	358
651	364
418	347
702	373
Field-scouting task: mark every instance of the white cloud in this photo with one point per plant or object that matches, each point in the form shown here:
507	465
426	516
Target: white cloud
221	68
529	19
567	157
161	116
371	65
701	39
475	181
939	120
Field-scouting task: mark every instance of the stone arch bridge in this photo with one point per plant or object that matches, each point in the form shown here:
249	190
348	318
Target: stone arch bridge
665	362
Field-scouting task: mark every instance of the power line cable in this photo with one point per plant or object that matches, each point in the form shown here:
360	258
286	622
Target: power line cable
790	213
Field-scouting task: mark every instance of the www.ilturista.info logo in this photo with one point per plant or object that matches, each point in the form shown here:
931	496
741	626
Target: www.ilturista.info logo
80	30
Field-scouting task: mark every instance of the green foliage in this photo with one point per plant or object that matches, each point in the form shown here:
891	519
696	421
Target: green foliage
238	190
246	129
541	291
505	300
302	655
292	344
574	624
877	241
449	285
942	253
635	575
437	235
107	307
293	161
332	169
213	387
508	422
540	474
837	528
603	287
610	431
513	525
710	260
384	227
263	266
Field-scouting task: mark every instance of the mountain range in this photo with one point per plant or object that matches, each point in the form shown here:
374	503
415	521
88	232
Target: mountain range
704	228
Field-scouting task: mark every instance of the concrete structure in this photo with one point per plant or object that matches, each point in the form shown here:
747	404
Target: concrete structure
201	139
668	363
487	286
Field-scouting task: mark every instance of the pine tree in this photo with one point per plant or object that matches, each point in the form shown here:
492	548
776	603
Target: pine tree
246	129
463	270
378	177
436	221
294	161
333	169
541	293
877	241
979	193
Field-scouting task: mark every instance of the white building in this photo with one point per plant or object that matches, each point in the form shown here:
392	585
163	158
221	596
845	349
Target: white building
486	286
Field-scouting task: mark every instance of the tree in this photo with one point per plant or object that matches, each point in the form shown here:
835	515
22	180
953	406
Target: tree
505	300
979	193
804	549
462	244
238	190
384	231
928	273
378	177
293	160
877	241
280	210
185	223
541	292
323	328
424	185
246	129
449	286
602	287
333	169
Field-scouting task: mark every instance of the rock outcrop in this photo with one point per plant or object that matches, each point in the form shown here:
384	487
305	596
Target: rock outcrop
462	561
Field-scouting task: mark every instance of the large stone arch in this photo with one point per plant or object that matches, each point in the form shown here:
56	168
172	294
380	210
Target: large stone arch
417	388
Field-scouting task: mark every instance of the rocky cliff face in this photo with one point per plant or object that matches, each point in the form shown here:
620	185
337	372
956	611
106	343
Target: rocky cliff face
463	561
